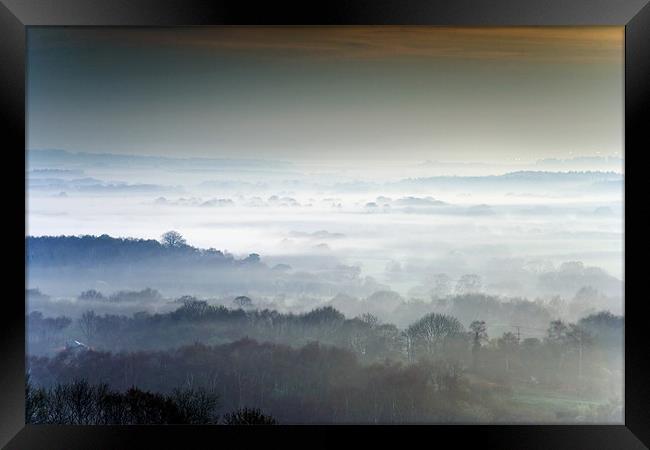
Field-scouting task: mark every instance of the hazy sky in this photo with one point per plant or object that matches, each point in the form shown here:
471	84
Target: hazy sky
414	93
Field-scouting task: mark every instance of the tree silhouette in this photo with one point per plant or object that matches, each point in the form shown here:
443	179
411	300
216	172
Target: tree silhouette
247	416
88	324
242	302
479	335
432	331
578	338
91	294
508	344
173	239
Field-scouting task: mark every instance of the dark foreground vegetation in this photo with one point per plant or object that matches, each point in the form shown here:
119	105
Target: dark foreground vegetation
80	403
353	370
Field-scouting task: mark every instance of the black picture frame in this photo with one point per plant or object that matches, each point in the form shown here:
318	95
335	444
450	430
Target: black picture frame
16	15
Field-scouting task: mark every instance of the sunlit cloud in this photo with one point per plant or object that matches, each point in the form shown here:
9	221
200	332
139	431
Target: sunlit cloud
524	44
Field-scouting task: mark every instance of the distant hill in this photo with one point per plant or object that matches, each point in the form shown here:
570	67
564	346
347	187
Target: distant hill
64	266
85	251
524	178
57	158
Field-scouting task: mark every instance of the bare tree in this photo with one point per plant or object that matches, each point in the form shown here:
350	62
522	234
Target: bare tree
479	335
248	416
196	406
173	239
370	319
88	324
433	330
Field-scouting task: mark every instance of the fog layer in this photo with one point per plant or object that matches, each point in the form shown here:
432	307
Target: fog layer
523	231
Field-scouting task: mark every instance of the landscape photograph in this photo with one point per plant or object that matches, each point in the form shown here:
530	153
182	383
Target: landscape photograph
324	225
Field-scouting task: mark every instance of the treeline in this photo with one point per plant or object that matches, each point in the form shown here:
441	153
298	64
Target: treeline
80	403
198	320
84	251
313	384
144	296
65	265
365	335
319	350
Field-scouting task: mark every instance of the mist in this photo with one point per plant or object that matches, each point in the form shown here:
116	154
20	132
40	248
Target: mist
513	268
520	231
324	225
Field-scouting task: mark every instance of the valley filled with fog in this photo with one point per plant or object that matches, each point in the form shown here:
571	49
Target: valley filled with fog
324	225
491	294
413	229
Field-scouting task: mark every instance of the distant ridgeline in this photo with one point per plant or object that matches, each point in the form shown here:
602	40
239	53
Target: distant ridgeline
67	265
89	251
524	178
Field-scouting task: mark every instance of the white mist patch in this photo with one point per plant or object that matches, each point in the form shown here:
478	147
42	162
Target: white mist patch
397	228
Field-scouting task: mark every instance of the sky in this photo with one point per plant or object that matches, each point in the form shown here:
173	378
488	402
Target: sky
328	93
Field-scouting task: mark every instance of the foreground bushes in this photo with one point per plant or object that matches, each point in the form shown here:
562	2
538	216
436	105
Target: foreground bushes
80	403
312	384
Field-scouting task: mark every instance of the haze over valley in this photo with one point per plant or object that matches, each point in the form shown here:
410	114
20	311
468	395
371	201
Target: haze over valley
262	225
528	233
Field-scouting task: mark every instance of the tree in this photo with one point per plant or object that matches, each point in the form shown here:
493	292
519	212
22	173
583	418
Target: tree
556	337
35	402
556	332
82	403
88	324
508	343
432	331
325	315
253	258
479	335
192	309
369	319
46	328
242	302
173	239
577	337
605	327
196	406
92	294
247	416
479	332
